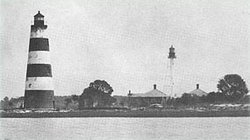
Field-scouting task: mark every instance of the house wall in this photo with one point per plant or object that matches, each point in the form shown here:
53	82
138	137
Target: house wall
144	101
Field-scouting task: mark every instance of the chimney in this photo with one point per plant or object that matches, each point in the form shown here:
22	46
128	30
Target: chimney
154	86
129	93
197	86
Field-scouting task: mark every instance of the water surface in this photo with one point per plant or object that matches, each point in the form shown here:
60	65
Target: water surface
218	128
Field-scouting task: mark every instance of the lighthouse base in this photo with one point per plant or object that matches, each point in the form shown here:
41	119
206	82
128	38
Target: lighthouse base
38	99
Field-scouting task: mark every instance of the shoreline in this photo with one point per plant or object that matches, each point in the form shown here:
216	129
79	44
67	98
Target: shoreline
130	113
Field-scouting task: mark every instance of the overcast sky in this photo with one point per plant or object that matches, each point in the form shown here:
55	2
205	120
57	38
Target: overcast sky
126	42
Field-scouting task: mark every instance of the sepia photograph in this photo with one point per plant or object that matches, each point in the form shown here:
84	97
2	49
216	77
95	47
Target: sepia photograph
124	69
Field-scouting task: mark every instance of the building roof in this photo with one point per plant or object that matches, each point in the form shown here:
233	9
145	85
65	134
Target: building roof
39	14
198	91
152	93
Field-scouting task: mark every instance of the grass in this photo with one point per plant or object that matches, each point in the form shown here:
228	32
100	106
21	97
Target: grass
129	113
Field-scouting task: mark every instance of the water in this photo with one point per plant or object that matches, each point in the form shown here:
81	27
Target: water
231	128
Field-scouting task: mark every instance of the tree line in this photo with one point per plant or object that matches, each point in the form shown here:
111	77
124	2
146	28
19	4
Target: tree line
231	89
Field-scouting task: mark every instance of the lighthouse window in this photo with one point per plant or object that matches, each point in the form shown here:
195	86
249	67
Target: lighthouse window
39	18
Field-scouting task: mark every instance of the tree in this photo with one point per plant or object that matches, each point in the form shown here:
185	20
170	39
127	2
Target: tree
102	86
75	98
233	87
215	97
5	103
189	99
6	99
98	94
68	101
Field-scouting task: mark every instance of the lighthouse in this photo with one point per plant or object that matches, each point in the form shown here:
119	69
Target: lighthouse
39	90
171	57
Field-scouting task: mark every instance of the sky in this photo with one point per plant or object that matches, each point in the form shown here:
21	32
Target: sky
126	43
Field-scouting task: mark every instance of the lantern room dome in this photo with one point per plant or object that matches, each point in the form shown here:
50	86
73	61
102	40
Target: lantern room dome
38	15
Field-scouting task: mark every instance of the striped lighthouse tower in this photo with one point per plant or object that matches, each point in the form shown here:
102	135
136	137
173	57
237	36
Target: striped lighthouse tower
39	91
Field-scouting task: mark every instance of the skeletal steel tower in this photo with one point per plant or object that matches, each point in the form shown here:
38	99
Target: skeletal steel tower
39	90
171	57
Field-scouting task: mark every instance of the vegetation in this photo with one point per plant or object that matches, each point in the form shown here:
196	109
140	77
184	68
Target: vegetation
231	89
12	103
71	102
98	94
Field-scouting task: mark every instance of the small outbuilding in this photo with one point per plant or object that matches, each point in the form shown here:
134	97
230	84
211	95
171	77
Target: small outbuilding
198	91
154	96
